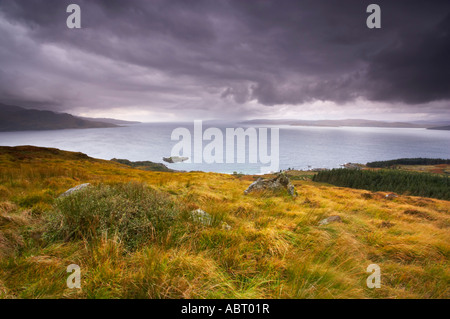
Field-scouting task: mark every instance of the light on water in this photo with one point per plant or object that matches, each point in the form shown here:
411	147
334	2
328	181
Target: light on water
300	147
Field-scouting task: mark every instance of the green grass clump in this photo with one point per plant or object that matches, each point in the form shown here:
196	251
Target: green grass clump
131	212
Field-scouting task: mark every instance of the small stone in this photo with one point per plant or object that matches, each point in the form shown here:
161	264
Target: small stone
291	190
74	189
225	226
201	217
330	219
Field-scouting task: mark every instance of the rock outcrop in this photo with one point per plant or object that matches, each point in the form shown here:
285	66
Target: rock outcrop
280	182
74	189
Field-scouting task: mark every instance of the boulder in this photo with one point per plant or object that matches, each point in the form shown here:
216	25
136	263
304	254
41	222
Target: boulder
281	181
330	219
74	189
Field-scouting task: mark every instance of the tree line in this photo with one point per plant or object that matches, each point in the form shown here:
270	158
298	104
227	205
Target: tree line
408	161
408	183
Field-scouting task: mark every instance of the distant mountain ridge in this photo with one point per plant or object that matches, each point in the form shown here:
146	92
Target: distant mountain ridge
441	128
16	118
337	123
108	120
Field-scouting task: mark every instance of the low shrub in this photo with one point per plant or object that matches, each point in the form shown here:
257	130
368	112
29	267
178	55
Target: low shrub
133	213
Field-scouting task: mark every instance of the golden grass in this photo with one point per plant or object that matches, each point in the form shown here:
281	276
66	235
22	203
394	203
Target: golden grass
275	248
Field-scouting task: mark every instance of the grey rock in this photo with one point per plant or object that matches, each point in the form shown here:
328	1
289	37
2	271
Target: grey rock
204	218
291	190
330	219
201	217
391	195
281	181
175	159
74	189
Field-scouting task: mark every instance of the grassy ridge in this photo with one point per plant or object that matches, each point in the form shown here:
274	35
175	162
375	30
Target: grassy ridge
275	248
412	183
145	165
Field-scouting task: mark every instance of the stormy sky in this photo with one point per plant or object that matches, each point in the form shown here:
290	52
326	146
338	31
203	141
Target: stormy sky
158	60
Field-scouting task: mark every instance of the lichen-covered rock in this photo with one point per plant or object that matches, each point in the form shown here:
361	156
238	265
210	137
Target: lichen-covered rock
281	181
74	189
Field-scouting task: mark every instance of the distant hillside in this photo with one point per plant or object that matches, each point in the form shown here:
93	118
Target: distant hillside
337	123
15	118
443	128
365	123
432	123
144	165
108	120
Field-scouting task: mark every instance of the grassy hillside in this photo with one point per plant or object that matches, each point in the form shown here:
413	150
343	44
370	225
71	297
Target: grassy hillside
132	235
145	165
442	128
15	118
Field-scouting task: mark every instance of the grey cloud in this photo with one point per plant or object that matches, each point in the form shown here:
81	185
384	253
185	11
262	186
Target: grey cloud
163	53
415	70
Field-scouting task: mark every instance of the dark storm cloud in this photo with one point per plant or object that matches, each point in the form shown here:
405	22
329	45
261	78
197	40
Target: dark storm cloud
415	69
179	55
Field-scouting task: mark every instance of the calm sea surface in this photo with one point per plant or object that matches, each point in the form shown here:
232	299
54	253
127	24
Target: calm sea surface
299	147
